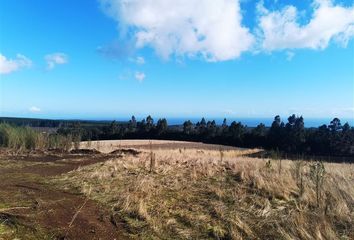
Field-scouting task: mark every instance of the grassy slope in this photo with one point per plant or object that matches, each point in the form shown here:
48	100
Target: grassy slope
194	194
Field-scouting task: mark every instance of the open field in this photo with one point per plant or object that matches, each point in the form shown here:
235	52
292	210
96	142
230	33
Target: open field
172	190
110	145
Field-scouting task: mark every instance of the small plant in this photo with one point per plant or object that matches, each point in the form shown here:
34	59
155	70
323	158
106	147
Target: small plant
298	172
221	154
317	174
152	162
152	158
269	164
77	140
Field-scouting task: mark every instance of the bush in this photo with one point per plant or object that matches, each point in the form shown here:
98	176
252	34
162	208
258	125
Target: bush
25	138
18	138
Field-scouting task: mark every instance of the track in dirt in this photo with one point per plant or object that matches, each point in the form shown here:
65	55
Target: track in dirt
36	206
32	203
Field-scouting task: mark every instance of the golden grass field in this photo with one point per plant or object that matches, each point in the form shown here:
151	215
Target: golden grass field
176	192
107	146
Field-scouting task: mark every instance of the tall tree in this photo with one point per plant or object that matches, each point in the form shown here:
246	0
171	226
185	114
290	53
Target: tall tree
202	127
294	134
132	124
318	140
224	128
161	126
187	127
335	125
211	128
260	130
237	131
335	140
257	138
347	140
142	125
149	123
113	128
276	133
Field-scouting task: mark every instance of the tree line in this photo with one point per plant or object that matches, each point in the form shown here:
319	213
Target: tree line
333	139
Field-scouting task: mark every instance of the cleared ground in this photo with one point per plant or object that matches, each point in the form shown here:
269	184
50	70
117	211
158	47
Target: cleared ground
110	145
32	208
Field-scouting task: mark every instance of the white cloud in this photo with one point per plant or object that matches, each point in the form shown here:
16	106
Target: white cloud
193	28
11	65
280	29
55	59
140	60
34	109
140	76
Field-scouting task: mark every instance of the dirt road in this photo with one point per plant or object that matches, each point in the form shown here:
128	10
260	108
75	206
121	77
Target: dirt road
31	208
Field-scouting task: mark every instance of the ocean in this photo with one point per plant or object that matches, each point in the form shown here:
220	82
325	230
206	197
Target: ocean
253	122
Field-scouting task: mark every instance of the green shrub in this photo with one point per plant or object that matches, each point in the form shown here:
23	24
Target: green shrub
18	138
25	138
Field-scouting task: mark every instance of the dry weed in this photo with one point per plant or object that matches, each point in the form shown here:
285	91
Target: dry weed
193	194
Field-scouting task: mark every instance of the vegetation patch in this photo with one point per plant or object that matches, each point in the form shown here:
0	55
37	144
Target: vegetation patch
192	195
21	139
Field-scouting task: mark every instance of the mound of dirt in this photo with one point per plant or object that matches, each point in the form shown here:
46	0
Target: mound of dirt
56	151
126	151
85	151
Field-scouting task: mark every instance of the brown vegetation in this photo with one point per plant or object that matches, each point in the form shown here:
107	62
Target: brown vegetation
220	194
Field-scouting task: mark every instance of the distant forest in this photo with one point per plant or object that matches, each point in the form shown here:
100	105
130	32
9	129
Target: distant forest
334	139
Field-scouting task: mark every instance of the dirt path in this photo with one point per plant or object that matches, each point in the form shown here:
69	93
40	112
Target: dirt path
36	210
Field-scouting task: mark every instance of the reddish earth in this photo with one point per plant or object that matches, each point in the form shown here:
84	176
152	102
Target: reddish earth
34	204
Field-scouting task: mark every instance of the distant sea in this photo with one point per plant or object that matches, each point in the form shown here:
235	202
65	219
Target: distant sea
250	122
253	122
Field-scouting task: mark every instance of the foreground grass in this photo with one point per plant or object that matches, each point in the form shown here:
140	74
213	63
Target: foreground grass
194	194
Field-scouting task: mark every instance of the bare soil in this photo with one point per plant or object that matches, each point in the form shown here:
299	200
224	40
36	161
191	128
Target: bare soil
36	209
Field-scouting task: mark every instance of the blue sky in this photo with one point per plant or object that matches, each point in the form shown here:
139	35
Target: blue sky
102	59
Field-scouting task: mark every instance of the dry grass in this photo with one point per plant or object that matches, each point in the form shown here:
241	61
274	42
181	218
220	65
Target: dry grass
205	194
107	146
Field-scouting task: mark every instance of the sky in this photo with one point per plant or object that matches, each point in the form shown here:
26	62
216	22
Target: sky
104	59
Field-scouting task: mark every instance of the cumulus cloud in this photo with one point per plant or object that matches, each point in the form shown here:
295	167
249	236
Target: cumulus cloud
209	29
34	109
140	76
280	29
11	65
55	59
